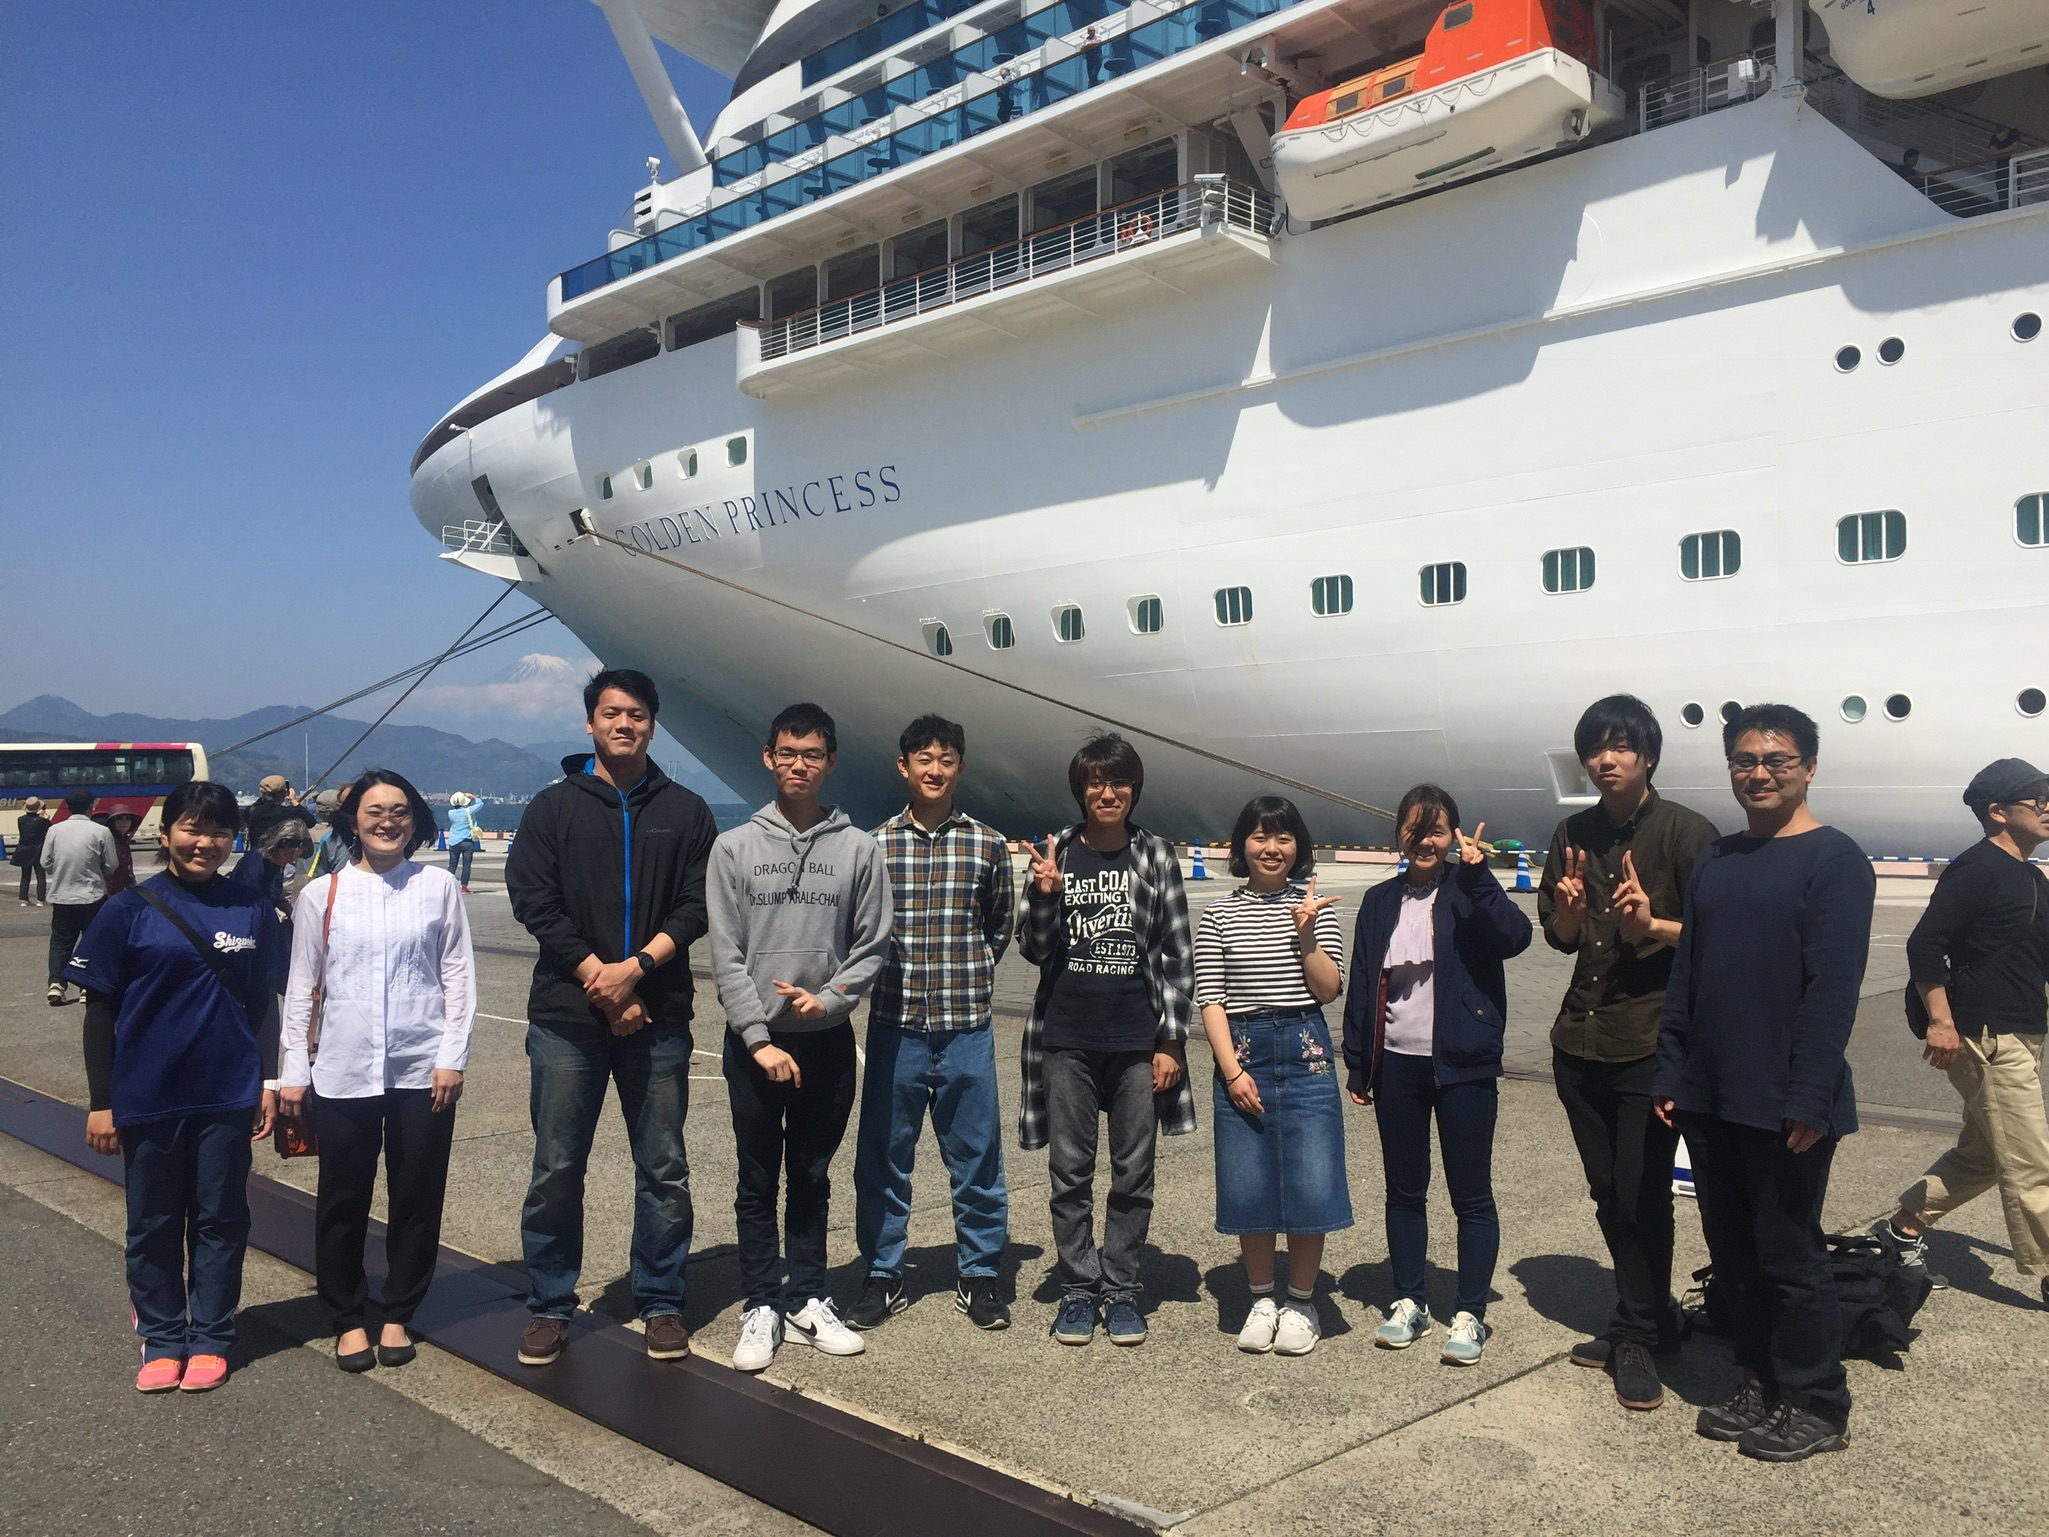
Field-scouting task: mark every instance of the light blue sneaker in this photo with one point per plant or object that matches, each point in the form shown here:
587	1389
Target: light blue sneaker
1464	1341
1407	1322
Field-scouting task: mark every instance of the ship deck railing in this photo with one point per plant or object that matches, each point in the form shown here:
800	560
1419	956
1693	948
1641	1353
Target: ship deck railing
480	537
1206	201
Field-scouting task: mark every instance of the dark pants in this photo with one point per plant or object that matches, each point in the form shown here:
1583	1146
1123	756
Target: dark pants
571	1064
1081	1087
69	920
1760	1211
1627	1154
187	1172
1408	1096
33	868
415	1142
460	858
792	1132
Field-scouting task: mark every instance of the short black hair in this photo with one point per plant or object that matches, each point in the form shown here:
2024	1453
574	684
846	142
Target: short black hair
1796	726
79	802
206	803
1620	720
344	819
932	731
802	720
1430	799
627	681
1106	755
1272	814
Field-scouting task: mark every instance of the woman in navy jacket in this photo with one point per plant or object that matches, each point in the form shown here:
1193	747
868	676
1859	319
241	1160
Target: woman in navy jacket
1423	1033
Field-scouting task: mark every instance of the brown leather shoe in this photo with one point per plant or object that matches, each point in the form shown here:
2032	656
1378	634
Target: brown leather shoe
543	1340
667	1339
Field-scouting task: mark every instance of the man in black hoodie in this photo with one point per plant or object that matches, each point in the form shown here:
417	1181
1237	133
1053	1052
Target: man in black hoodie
607	873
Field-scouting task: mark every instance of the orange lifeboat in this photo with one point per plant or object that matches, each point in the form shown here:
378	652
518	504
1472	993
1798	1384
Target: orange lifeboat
1498	81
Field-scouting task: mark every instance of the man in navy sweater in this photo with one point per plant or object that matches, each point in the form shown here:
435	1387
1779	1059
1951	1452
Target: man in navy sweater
1750	1068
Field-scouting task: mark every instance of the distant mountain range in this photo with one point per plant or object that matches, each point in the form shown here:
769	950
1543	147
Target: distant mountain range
436	761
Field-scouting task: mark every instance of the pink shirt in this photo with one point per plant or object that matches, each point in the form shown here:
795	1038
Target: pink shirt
1411	969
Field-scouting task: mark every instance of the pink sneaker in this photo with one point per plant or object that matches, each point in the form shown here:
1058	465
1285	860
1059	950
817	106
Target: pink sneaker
203	1372
159	1376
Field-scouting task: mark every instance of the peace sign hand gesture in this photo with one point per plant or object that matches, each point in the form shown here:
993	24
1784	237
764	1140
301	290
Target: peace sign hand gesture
1305	913
1049	876
1471	850
1570	892
1632	902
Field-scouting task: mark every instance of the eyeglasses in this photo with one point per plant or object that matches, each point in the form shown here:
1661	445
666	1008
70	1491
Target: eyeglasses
789	756
1095	785
386	818
1777	764
2038	804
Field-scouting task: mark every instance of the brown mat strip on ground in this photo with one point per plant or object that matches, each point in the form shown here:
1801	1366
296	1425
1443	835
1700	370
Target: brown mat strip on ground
835	1470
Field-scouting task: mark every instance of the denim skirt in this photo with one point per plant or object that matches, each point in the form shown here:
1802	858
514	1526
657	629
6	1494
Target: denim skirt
1283	1171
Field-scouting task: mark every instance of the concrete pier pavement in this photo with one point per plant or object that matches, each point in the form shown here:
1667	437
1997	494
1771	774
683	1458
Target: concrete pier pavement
1347	1440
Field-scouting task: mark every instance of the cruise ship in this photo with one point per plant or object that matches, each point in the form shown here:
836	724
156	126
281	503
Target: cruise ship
1330	394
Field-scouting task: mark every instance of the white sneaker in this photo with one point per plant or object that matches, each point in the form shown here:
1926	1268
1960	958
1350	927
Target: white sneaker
817	1324
1257	1337
761	1332
1464	1340
1299	1331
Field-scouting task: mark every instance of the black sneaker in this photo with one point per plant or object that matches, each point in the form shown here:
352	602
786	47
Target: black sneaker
1792	1435
1636	1380
1747	1409
881	1300
1591	1353
982	1302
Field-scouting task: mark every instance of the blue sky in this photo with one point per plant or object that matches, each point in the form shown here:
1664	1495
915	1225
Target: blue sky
251	253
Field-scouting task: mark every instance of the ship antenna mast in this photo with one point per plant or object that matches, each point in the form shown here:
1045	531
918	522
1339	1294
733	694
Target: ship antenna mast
629	27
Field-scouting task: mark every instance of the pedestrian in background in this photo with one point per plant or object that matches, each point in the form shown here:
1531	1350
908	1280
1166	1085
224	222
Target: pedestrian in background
29	833
1423	1040
122	825
180	976
607	874
1750	1069
464	837
1611	897
383	945
1980	963
931	1041
78	856
1106	923
800	920
1268	957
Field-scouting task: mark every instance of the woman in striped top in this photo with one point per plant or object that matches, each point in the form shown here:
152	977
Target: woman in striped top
1267	957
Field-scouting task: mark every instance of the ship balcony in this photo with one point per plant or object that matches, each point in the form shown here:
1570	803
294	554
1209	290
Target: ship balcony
487	547
1076	267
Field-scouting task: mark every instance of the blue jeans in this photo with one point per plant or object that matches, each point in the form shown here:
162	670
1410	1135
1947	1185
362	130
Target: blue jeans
464	852
1409	1093
189	1170
953	1073
571	1064
1282	1171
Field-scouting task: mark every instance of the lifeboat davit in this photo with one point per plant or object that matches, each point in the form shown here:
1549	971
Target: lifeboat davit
1497	81
1904	48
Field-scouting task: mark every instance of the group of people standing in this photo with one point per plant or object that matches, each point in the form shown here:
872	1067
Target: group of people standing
1714	987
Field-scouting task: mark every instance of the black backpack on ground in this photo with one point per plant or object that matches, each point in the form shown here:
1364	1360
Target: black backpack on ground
1877	1294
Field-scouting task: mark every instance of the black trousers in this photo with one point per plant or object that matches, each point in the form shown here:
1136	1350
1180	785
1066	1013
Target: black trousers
415	1142
35	869
69	921
1760	1210
1627	1154
791	1133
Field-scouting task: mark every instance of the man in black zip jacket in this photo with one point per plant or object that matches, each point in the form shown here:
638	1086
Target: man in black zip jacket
607	874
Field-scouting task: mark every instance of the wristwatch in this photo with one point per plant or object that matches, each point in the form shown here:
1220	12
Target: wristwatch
647	962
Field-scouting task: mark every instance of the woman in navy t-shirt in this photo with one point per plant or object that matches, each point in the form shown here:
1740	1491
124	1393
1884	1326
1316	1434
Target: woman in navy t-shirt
182	1076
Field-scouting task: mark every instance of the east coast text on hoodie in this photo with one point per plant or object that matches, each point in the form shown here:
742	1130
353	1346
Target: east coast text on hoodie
811	909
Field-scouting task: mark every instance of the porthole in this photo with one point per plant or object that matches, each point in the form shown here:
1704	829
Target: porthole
604	488
687	462
1568	570
644	475
2027	326
2030	702
1854	707
2031	520
736	451
1866	537
1898	706
1692	713
1443	583
1330	595
1730	710
1707	557
1067	625
1148	616
1847	359
1234	605
937	641
1002	635
1891	350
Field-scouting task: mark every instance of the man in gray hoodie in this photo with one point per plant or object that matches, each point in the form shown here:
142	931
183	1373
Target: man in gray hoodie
800	922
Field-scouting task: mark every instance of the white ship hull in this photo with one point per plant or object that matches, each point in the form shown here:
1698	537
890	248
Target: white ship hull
1613	349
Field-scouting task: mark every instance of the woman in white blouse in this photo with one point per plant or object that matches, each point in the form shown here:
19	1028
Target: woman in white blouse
385	945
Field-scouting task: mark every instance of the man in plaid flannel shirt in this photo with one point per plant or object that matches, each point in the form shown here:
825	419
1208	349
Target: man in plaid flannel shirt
930	1041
